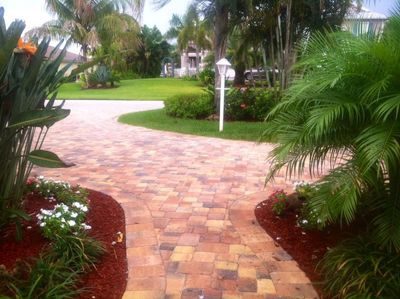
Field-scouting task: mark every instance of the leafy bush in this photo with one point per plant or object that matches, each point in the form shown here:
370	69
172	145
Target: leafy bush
359	269
344	116
279	202
100	77
27	79
207	77
192	105
249	104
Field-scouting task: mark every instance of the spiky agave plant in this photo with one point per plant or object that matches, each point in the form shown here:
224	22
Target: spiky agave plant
345	114
27	79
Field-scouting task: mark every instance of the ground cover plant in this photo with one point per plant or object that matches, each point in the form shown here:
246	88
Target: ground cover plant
344	116
137	89
71	252
159	120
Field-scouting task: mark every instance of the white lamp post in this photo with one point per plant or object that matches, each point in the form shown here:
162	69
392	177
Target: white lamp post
222	66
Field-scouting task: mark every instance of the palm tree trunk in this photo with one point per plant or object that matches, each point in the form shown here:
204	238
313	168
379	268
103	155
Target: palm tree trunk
85	59
264	56
220	44
287	53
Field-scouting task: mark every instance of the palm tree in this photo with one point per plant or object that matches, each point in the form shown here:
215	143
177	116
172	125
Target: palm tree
87	22
190	30
344	114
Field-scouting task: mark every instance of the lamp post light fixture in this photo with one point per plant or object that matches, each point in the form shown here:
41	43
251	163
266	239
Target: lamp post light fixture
222	66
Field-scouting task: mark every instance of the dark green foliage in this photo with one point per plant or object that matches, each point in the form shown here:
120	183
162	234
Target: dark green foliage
55	273
152	50
279	202
343	115
359	269
249	104
196	106
207	77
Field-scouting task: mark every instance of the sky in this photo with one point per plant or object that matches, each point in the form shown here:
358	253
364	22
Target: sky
34	14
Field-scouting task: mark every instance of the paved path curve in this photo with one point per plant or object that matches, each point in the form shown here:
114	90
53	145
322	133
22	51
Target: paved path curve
188	203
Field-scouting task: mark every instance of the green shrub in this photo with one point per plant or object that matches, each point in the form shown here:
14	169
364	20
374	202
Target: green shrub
101	76
279	202
207	77
194	105
249	104
359	269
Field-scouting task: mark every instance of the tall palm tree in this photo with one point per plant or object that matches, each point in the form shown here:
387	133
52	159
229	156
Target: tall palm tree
86	21
345	114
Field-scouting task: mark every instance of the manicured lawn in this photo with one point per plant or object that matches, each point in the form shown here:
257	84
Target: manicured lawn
158	120
138	89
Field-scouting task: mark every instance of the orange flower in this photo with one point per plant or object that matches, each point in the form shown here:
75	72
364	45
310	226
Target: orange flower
28	48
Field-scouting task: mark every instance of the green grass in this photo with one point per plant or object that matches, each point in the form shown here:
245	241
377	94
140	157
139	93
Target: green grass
158	120
138	89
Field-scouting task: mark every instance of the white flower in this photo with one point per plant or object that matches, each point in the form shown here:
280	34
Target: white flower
58	214
63	220
78	192
84	209
37	186
62	225
74	214
42	224
71	222
86	226
39	216
65	208
41	177
304	221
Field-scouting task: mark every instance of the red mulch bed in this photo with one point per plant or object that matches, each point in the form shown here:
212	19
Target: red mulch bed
106	217
306	247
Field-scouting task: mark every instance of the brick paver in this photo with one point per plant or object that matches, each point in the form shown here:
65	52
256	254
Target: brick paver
188	204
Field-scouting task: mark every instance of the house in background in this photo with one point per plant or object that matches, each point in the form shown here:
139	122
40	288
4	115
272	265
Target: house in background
188	61
363	21
70	58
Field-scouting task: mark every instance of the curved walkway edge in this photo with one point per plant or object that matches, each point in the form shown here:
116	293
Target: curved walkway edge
188	202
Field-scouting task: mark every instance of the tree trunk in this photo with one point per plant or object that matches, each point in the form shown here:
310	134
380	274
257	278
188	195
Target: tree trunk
240	68
288	42
84	58
197	61
264	54
221	28
187	61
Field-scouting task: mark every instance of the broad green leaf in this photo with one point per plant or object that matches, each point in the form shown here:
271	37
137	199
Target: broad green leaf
38	118
47	159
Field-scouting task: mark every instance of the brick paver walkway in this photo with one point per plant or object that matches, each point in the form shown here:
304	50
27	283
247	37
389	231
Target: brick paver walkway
188	205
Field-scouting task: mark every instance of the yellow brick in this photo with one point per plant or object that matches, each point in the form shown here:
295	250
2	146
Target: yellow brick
226	266
247	272
184	249
181	257
265	286
240	249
